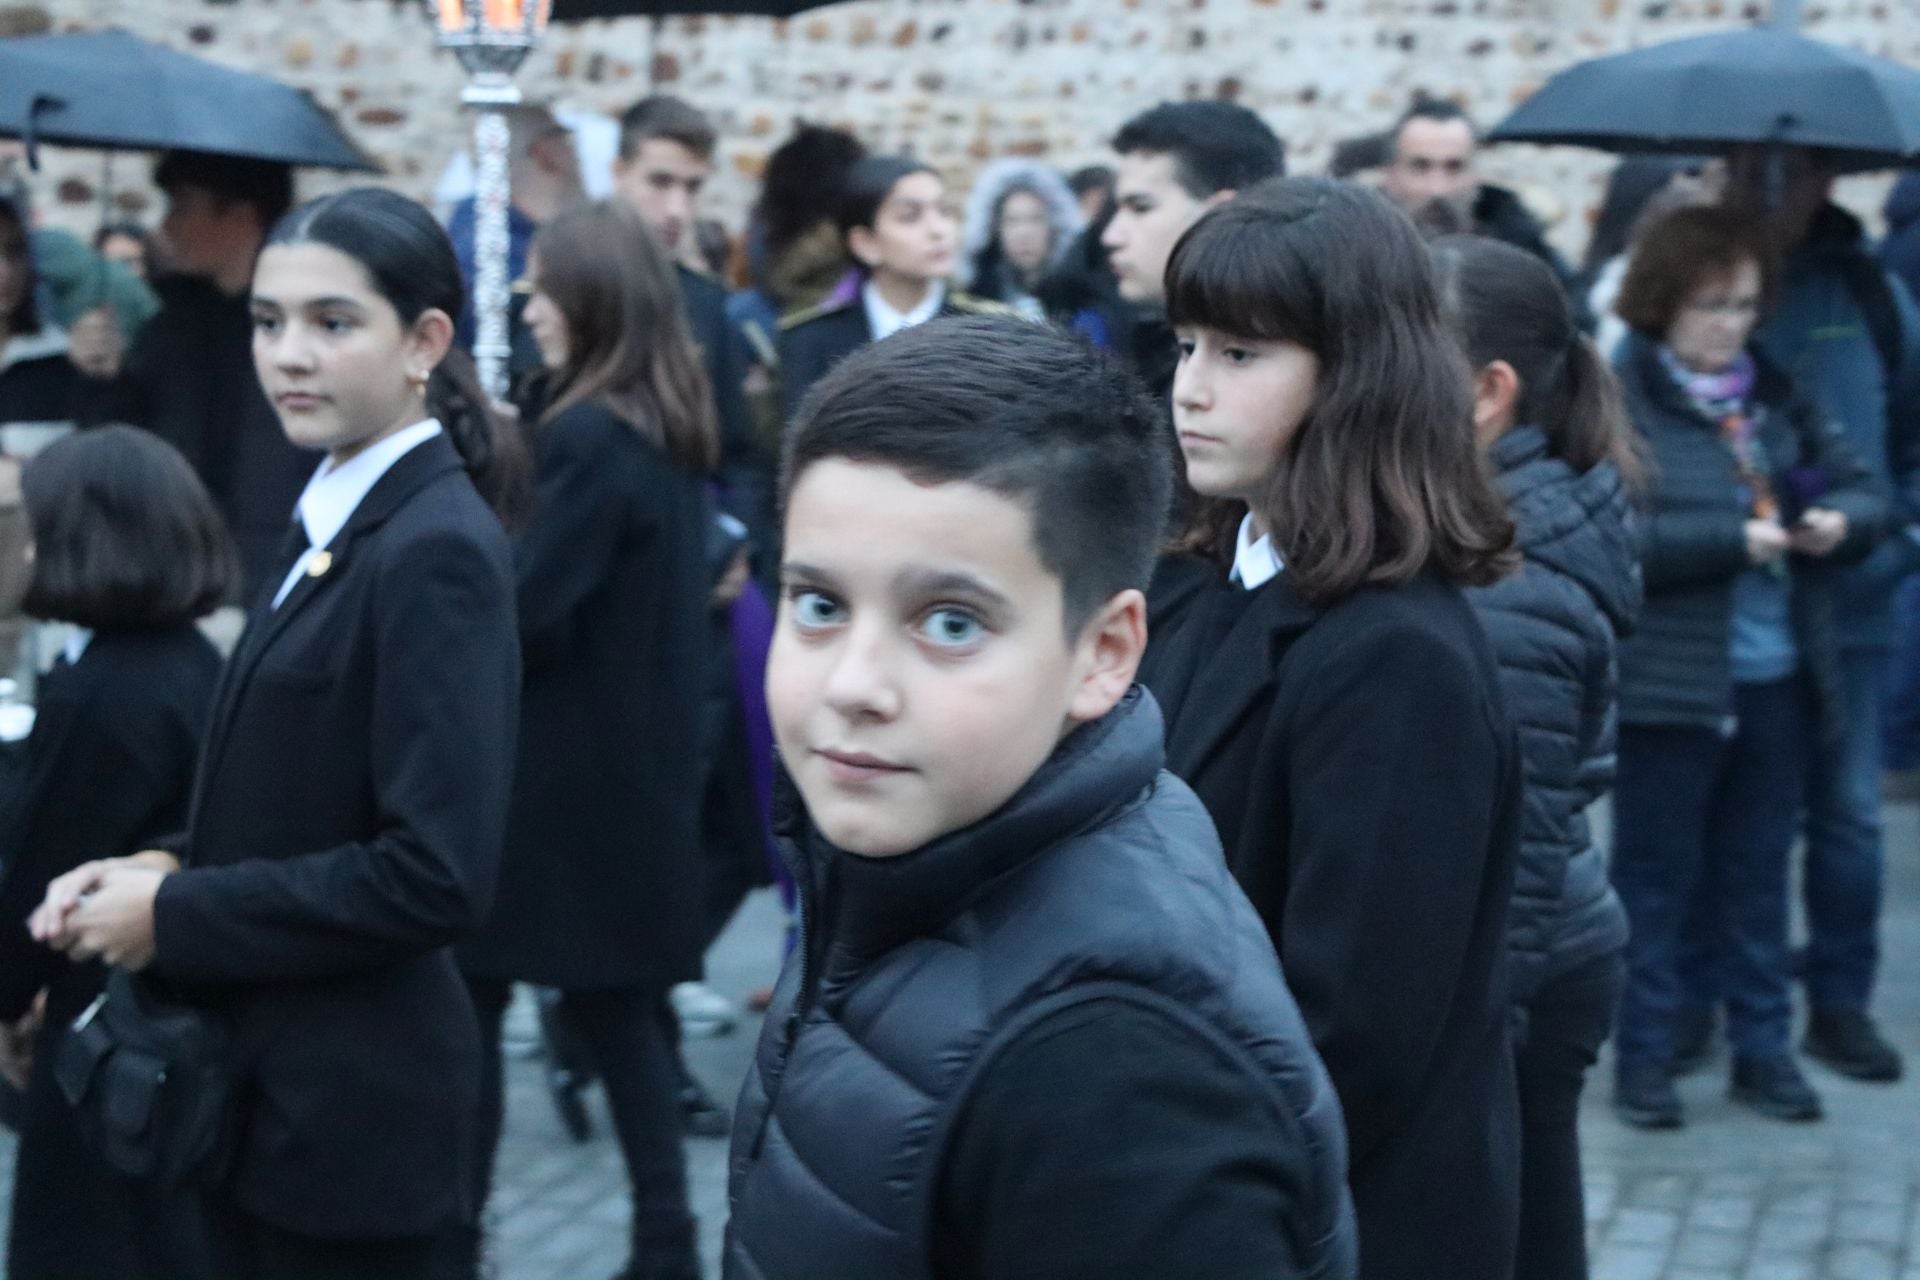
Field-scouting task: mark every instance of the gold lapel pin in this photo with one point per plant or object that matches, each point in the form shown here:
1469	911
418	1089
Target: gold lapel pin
318	563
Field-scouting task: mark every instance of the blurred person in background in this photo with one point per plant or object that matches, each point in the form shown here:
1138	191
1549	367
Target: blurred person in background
1548	415
1848	334
1732	688
1021	220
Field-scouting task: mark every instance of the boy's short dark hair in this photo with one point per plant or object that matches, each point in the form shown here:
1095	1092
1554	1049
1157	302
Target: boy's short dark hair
661	115
267	185
1216	146
1029	412
125	536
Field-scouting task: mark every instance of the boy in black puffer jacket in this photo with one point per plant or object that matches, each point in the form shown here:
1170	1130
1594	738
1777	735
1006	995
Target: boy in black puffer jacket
1033	1027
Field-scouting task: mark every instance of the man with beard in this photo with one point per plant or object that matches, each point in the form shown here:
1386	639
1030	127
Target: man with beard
1431	173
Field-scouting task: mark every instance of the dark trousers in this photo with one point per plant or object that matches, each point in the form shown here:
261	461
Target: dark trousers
1567	1023
244	1248
625	1034
1703	824
1845	865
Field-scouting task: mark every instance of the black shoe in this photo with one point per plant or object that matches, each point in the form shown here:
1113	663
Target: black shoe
701	1116
564	1088
1847	1041
1774	1087
1693	1030
1643	1096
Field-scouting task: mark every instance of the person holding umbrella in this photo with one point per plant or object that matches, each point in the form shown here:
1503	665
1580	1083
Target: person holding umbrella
1850	333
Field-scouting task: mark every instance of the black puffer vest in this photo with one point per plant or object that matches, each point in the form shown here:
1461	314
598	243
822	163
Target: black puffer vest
1103	875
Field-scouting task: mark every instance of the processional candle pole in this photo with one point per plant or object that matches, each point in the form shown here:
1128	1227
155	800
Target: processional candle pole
491	38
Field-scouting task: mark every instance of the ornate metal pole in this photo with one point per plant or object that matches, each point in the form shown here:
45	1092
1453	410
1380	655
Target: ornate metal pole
491	38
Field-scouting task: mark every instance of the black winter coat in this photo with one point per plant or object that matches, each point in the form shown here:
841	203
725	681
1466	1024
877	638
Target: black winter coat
599	887
1676	669
345	830
1365	778
1552	626
108	770
815	340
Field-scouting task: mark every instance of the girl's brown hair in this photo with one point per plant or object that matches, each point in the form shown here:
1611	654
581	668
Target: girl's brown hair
1381	479
1508	305
628	346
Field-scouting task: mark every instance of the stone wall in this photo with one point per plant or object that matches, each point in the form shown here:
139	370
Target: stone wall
957	81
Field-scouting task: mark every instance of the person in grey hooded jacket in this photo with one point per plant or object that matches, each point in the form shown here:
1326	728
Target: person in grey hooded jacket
1549	417
1021	220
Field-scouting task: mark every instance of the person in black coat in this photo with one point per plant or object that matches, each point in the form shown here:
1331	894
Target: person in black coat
600	887
1548	414
188	376
38	379
895	225
129	550
350	803
1310	666
1733	679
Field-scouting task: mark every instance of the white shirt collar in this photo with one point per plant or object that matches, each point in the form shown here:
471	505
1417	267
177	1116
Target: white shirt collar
77	641
336	492
883	321
1255	562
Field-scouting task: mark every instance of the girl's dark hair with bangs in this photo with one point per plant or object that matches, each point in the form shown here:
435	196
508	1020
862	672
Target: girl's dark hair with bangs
1382	479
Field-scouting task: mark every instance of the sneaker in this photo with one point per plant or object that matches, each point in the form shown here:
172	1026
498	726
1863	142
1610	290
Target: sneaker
703	1011
1774	1087
1643	1096
1847	1041
1693	1029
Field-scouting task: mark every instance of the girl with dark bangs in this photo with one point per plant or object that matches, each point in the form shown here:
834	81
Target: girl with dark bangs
599	885
1331	698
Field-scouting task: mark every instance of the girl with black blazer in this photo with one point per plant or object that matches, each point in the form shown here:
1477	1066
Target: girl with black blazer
1548	415
130	550
349	807
1733	679
1331	697
600	887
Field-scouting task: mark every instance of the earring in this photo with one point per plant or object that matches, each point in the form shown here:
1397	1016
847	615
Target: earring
417	380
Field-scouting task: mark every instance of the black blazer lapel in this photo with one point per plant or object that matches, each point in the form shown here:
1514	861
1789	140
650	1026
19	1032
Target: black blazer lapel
416	468
1234	677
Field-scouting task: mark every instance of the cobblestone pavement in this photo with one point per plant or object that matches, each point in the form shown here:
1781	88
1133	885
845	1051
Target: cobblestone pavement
1730	1197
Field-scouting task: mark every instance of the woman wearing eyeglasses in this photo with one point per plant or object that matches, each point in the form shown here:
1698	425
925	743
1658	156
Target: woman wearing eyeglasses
1730	682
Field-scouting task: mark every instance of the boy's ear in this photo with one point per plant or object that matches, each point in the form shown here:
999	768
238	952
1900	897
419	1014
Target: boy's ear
1110	648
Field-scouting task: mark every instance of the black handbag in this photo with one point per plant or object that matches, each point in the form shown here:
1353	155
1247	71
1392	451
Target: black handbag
150	1080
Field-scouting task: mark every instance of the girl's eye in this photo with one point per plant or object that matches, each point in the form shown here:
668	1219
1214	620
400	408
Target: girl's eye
813	610
952	628
336	325
265	324
1238	355
1185	346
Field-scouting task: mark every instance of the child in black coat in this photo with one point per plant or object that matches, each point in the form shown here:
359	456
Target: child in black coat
1032	1027
129	549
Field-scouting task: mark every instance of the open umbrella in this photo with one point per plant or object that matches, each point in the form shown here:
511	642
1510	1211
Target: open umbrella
580	10
1711	93
112	90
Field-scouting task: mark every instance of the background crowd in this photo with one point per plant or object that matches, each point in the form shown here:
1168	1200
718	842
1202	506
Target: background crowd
1676	553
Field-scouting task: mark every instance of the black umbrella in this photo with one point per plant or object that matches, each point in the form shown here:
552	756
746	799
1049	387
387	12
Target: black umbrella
112	90
580	10
1711	93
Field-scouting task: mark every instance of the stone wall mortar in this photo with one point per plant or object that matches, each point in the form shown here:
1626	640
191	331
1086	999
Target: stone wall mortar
957	81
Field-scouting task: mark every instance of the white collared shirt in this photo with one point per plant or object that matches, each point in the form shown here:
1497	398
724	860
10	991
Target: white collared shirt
1255	562
883	321
77	641
335	493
